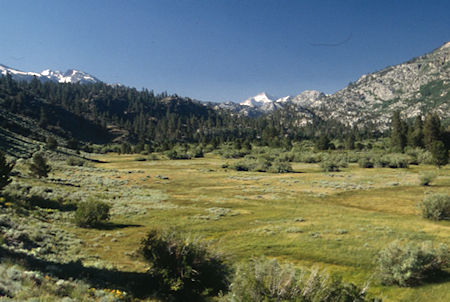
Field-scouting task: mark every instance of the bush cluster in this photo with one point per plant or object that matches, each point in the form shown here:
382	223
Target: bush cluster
38	166
384	161
183	152
262	164
267	280
426	178
408	265
228	151
186	267
365	162
92	214
436	207
333	164
74	161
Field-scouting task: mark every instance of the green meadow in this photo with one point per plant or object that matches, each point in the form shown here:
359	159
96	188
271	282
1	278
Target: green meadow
337	221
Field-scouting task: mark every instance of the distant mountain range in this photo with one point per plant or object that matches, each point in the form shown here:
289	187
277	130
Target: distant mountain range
70	76
415	87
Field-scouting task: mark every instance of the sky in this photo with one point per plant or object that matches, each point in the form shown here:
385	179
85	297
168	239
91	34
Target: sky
220	50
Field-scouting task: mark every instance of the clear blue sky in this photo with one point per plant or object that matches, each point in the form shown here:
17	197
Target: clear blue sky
218	50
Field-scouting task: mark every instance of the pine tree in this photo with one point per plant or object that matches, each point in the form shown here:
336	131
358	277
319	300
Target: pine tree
323	143
43	120
39	166
439	153
398	135
416	133
51	143
431	130
350	142
5	171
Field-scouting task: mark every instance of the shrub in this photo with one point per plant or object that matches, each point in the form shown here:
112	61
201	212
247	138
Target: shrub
196	152
73	161
51	143
186	267
228	151
39	166
365	163
154	156
426	178
267	280
408	265
92	214
424	157
329	165
381	161
307	157
249	163
398	161
5	171
178	154
279	166
436	207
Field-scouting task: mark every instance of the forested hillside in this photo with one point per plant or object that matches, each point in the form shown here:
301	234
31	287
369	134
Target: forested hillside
101	113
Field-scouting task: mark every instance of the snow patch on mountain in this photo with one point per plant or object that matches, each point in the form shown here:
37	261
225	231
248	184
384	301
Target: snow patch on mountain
70	76
263	103
259	100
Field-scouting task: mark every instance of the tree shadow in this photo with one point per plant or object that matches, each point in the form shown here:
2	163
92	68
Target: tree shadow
139	285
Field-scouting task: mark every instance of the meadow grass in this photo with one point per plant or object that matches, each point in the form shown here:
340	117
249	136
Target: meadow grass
347	216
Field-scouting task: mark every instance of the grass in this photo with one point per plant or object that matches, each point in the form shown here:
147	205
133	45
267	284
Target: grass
347	216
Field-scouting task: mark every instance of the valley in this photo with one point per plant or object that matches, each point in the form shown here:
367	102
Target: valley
337	221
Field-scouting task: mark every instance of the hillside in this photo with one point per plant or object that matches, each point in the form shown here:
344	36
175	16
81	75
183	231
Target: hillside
101	113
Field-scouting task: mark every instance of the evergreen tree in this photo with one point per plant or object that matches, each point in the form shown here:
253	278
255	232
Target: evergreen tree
5	171
416	134
43	120
439	153
323	142
39	166
398	135
125	148
350	142
431	130
51	143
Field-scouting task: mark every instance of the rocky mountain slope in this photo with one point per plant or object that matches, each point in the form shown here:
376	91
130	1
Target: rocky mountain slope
414	87
70	76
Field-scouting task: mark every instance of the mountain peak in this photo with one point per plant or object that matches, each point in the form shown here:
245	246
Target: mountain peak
259	100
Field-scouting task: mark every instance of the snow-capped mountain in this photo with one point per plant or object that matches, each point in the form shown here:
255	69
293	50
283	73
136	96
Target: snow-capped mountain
259	100
263	103
70	76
